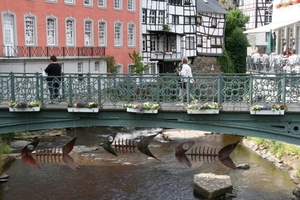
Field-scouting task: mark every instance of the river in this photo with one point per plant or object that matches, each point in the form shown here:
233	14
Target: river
135	176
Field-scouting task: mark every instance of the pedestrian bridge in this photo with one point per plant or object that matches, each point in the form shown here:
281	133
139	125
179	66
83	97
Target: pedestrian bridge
234	92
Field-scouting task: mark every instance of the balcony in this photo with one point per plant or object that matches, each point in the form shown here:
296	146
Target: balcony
166	56
31	52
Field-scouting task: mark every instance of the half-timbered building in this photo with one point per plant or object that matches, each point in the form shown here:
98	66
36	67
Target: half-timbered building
260	14
211	18
175	28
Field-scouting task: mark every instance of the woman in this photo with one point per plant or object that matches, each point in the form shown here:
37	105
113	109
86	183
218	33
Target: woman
185	72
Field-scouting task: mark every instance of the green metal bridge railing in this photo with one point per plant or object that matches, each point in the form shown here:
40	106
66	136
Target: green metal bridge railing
232	91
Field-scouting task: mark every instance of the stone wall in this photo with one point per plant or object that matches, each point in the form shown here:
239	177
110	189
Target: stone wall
203	64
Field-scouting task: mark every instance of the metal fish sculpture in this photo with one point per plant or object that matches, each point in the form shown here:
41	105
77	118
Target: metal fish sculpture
205	154
128	146
31	157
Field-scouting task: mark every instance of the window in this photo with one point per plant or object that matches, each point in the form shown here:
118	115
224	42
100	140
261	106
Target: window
130	5
161	17
102	33
119	68
51	31
97	66
118	34
175	2
101	3
241	2
199	20
8	31
175	19
30	30
69	1
144	43
152	16
268	17
213	22
118	4
79	67
189	20
153	43
199	41
88	33
189	43
88	2
131	69
144	17
54	1
131	35
70	32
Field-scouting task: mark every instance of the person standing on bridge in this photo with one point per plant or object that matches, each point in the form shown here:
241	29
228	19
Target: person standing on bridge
54	72
186	75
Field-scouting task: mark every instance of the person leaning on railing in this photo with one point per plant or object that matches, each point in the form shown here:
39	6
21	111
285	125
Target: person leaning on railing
54	72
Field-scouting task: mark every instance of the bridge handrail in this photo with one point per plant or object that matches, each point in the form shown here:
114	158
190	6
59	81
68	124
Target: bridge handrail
233	91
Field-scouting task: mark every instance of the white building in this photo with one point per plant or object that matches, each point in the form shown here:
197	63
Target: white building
260	14
285	26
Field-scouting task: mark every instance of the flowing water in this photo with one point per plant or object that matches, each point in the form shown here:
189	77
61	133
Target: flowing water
135	176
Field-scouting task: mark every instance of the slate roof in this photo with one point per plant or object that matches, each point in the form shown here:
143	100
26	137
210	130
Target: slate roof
212	6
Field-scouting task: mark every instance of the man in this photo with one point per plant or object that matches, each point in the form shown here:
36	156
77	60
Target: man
54	72
287	52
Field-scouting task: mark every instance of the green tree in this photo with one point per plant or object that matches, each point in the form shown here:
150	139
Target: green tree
111	65
138	66
236	43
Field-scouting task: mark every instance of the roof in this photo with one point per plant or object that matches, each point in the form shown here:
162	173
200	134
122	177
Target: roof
210	6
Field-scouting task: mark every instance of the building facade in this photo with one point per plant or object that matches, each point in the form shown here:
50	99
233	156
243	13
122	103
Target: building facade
260	14
175	28
81	33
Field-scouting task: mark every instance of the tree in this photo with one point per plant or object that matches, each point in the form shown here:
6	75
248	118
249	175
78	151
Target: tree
138	66
236	43
111	65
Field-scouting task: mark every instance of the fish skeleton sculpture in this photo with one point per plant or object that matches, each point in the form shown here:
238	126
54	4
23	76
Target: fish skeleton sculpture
206	154
112	146
56	155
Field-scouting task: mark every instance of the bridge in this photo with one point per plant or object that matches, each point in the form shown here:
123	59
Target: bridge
234	92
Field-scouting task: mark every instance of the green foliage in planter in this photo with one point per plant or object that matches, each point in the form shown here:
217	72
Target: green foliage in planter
165	27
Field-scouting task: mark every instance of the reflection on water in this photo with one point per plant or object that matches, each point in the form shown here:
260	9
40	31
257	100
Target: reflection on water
135	176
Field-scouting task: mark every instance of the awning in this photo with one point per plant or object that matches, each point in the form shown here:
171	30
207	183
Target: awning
271	26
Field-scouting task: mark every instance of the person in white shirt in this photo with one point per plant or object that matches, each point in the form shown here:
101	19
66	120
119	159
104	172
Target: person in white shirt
185	72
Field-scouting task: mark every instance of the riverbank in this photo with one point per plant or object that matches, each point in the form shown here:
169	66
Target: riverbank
288	163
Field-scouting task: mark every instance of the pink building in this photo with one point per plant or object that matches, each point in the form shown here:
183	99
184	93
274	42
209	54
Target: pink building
81	33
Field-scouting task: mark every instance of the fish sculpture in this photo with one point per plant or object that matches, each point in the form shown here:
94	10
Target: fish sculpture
55	155
128	146
206	154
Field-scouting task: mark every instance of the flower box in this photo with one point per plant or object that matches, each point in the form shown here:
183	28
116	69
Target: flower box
84	110
33	109
133	110
274	109
267	112
208	111
169	52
